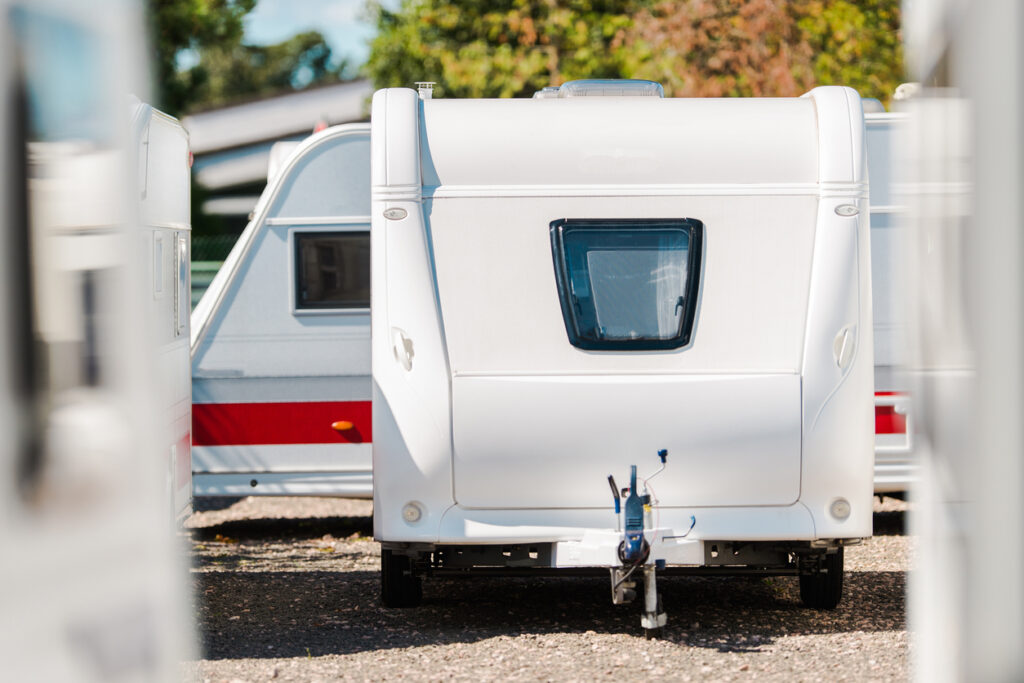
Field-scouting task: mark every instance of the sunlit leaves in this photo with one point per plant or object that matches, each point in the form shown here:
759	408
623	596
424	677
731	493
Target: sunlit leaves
511	48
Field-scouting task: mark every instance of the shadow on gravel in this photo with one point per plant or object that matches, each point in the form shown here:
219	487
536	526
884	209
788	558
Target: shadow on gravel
890	523
291	529
314	613
210	503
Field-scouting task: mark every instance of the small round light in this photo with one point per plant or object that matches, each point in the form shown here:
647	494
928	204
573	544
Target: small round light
412	513
840	508
847	210
395	214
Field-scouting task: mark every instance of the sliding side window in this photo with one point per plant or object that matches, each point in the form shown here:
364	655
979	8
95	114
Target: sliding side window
627	284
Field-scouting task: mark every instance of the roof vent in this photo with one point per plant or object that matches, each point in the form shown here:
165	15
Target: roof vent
604	87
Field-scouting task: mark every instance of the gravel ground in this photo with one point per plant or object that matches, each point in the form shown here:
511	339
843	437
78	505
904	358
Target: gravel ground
287	589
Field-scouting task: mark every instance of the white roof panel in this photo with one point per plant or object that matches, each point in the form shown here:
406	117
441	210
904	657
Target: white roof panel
618	141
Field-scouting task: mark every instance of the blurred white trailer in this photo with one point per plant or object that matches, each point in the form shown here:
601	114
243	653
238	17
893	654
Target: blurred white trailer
281	339
564	287
165	224
91	384
896	463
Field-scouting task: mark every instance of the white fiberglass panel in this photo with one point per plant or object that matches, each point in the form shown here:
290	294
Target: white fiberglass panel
618	140
282	458
333	179
164	195
255	332
500	303
552	441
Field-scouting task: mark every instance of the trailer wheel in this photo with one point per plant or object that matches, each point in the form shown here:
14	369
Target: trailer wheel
823	589
399	587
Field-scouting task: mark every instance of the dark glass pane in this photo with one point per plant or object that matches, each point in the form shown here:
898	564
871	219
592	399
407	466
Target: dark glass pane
625	284
333	270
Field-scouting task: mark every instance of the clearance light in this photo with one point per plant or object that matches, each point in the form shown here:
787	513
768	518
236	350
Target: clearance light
342	426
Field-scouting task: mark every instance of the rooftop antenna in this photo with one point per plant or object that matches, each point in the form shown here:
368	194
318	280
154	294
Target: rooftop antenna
425	89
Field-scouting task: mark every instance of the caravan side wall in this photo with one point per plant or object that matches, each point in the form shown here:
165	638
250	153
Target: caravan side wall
280	350
164	245
491	424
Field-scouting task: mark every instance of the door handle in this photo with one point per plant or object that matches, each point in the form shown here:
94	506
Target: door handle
401	346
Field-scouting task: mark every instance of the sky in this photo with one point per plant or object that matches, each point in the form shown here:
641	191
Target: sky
346	24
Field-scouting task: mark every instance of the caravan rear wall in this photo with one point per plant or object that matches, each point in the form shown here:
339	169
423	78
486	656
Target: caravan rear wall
563	287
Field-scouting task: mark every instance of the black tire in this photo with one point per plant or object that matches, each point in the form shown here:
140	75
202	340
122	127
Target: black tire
824	589
399	587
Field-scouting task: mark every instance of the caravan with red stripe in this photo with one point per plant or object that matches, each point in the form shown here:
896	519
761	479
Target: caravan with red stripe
281	339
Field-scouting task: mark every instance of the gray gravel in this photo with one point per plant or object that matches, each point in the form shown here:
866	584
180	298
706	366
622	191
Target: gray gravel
287	589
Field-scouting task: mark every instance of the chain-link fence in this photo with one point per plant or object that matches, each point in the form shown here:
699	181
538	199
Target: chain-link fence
208	254
212	247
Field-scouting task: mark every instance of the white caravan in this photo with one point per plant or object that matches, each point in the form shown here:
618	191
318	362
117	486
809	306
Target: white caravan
281	339
165	224
309	460
566	288
70	215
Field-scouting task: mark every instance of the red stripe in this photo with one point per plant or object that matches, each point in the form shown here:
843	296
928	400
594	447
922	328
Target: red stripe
263	424
887	420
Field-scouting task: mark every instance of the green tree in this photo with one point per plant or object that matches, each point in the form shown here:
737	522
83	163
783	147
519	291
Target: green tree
855	43
721	48
511	48
226	69
232	71
179	25
499	48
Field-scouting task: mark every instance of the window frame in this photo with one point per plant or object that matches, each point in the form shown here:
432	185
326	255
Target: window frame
295	269
695	229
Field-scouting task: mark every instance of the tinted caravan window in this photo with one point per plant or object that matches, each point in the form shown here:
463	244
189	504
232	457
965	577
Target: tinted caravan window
627	284
332	270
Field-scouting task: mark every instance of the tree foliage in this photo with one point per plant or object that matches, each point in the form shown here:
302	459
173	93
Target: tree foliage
226	69
511	48
230	72
855	43
719	48
177	25
499	48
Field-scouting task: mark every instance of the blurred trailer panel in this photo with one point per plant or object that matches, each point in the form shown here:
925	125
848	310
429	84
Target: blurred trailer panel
895	459
93	391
